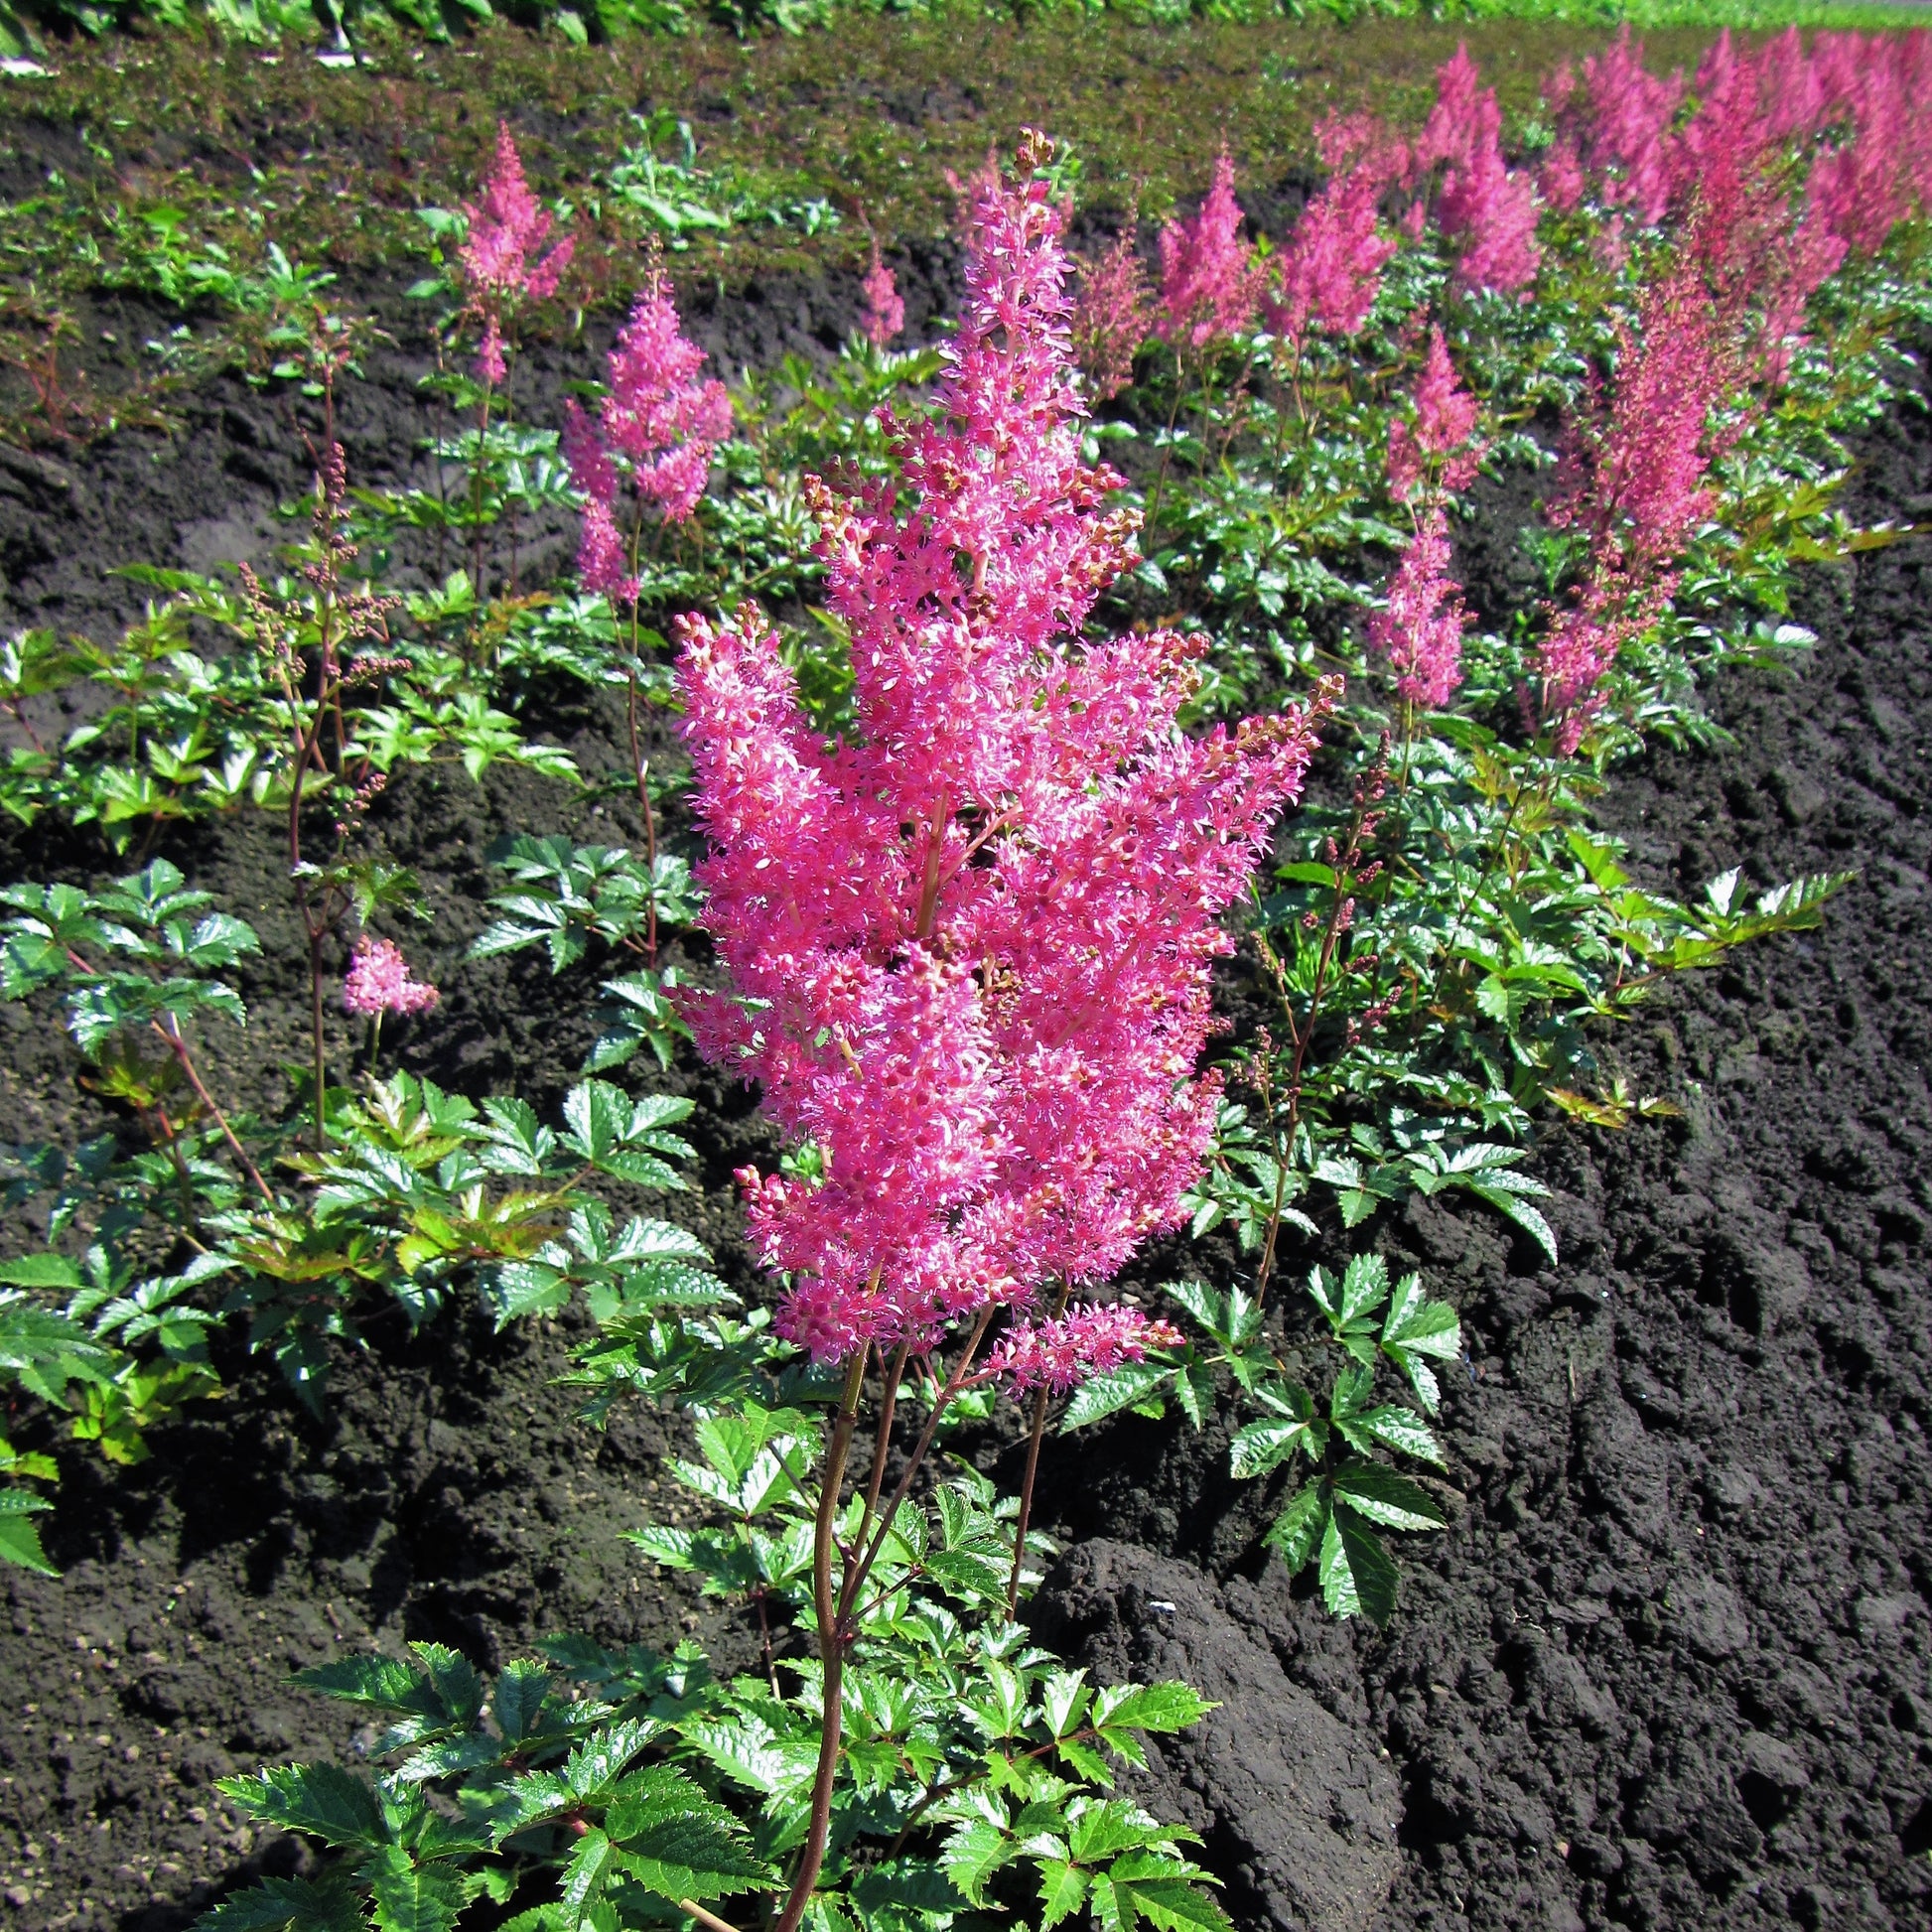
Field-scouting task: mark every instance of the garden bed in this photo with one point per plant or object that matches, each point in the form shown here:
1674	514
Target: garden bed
1671	1662
1671	1665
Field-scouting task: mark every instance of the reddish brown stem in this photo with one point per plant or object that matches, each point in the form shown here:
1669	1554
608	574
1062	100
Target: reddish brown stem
831	1650
1035	1435
186	1060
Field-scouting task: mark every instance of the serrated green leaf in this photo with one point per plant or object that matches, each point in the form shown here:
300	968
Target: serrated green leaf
698	1854
20	1538
1416	1327
1380	1494
1063	1890
1356	1574
1299	1530
1164	1707
412	1897
1126	1387
323	1800
386	1681
328	1904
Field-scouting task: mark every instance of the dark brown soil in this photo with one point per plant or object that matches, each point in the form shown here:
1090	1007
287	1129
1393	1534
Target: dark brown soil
1670	1668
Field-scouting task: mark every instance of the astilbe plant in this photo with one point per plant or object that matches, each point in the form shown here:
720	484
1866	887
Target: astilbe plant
1331	267
967	948
1113	313
1211	283
502	267
658	427
503	253
1481	203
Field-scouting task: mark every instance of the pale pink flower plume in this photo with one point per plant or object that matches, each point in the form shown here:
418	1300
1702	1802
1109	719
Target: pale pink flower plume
885	312
1113	315
1419	627
1481	203
500	251
968	948
1060	1354
379	981
657	428
1436	447
1209	284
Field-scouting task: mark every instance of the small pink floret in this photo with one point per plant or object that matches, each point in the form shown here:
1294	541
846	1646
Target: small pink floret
379	981
1061	1354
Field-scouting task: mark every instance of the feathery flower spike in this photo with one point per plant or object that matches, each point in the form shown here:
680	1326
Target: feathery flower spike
968	948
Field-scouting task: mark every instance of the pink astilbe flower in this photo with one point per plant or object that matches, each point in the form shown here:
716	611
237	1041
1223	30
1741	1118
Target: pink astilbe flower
657	427
1330	268
1420	628
501	253
1581	647
1060	1354
1437	447
1113	315
1804	264
1209	284
1863	188
1481	203
885	312
1643	486
1650	463
1614	138
1790	92
968	949
379	981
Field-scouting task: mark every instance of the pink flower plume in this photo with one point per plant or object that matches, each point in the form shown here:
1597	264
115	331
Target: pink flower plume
1060	1354
1209	285
1112	316
967	949
658	427
1420	628
1436	445
1482	204
499	253
885	312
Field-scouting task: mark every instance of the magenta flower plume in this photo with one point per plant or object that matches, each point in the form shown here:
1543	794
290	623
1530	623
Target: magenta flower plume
968	948
1330	268
1436	447
1863	188
1209	285
1643	486
1482	204
499	253
1614	139
885	312
379	981
1113	315
1420	628
1060	1354
1649	460
657	428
